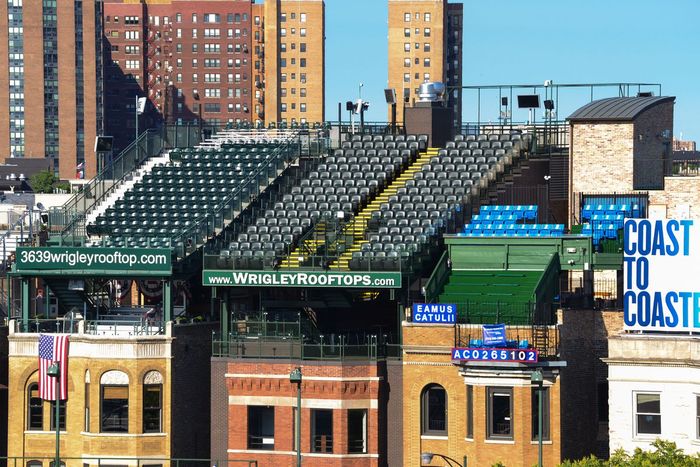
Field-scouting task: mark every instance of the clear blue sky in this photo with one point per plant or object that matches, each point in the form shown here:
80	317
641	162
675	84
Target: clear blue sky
526	42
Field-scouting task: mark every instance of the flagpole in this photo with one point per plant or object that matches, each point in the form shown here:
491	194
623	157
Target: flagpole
55	372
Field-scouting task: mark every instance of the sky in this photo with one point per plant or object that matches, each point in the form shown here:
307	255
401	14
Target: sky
528	42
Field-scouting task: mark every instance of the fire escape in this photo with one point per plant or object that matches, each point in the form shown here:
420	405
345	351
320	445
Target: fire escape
159	57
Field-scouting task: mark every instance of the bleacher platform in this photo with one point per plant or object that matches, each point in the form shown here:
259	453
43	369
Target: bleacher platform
407	227
198	185
605	221
509	221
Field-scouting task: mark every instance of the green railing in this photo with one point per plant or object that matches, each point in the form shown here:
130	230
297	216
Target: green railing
104	327
437	278
336	348
131	461
69	220
212	224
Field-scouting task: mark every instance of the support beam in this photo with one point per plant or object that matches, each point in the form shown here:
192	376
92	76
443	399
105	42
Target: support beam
225	318
167	300
26	303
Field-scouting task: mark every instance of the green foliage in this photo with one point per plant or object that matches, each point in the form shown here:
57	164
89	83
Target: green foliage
499	464
665	454
42	182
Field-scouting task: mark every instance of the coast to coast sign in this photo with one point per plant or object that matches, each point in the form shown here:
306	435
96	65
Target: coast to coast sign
662	275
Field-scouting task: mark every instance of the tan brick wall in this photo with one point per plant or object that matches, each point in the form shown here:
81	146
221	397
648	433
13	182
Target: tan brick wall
427	361
620	157
397	39
678	192
600	160
75	442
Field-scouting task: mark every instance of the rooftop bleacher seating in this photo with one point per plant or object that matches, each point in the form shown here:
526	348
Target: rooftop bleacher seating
197	183
603	221
343	182
509	221
408	226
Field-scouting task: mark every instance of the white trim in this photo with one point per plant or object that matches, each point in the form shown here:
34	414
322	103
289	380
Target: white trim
442	437
124	435
499	441
543	442
304	454
305	403
306	378
42	432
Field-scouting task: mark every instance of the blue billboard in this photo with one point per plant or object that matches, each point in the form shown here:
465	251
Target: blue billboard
434	313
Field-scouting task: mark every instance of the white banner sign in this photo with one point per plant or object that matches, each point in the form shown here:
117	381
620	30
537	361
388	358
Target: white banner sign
662	275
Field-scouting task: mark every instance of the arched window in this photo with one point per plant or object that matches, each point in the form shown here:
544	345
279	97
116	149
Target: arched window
114	402
434	410
35	408
153	402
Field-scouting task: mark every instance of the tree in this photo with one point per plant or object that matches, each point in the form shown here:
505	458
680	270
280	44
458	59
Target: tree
665	454
42	182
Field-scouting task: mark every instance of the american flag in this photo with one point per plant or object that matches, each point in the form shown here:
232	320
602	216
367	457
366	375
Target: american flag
53	348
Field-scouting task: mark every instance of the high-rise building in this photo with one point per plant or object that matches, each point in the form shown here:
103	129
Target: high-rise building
225	62
51	89
425	44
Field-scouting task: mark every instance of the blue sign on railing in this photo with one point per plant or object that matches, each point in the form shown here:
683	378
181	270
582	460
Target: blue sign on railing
437	313
494	335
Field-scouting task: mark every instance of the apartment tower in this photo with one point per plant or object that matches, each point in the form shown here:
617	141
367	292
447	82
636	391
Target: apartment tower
51	84
425	44
224	61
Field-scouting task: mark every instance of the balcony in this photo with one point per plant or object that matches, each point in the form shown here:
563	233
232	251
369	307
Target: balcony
544	339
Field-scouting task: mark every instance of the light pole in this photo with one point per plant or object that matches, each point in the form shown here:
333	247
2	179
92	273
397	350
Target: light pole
196	96
361	86
536	377
295	378
54	371
427	458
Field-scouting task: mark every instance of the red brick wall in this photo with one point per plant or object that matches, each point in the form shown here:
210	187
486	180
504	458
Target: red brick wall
343	386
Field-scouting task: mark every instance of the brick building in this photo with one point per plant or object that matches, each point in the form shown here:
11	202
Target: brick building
425	44
684	146
51	96
484	413
343	415
635	133
234	61
129	396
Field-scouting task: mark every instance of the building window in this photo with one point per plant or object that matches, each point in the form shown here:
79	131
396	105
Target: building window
61	415
283	62
114	416
283	32
648	412
426	62
302	47
302	62
302	92
178	17
302	32
407	17
302	107
434	410
426	32
426	47
302	17
194	17
357	431
426	17
35	409
406	32
153	403
87	406
426	77
500	413
406	77
407	62
535	413
261	427
470	412
322	430
406	46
